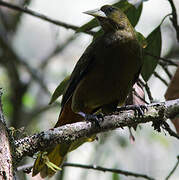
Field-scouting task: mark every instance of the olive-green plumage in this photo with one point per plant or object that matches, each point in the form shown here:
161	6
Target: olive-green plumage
101	79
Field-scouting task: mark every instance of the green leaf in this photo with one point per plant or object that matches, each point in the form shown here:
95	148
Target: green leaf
59	90
89	25
154	42
115	176
123	5
141	39
132	13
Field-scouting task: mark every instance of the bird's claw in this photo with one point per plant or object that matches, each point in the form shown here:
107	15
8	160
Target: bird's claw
100	116
139	110
94	118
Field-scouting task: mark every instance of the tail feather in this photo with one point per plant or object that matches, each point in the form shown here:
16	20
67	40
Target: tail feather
57	154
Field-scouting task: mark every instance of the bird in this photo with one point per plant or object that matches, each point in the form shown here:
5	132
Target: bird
100	81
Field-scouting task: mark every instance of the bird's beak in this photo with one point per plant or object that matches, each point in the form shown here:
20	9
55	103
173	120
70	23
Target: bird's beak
96	13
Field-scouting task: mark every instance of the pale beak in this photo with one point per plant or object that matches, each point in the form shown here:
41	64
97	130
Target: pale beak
96	13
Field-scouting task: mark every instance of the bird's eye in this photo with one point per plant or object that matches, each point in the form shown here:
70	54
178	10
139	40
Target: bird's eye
107	9
110	9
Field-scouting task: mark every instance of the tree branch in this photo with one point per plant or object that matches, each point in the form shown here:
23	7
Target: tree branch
173	170
165	68
145	85
41	16
58	49
16	59
99	168
6	168
156	113
160	78
28	168
167	61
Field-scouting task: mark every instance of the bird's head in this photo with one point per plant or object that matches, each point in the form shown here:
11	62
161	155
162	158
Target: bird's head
110	18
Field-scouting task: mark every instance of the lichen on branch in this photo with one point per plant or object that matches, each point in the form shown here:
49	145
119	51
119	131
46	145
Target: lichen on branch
157	113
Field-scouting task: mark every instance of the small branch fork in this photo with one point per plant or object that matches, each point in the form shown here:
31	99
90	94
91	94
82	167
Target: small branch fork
156	113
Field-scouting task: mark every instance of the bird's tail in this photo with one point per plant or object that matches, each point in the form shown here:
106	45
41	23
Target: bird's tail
47	163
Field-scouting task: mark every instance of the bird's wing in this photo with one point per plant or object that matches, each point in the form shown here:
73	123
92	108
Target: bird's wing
84	64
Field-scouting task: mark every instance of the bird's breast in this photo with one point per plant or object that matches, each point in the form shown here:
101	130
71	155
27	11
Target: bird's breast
109	79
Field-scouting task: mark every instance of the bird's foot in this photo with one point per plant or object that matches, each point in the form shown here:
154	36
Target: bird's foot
96	118
139	110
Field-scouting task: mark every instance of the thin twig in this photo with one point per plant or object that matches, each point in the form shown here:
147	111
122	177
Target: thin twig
137	95
34	74
165	68
41	16
174	18
169	130
58	49
16	58
173	170
28	168
159	77
99	168
145	85
168	61
38	110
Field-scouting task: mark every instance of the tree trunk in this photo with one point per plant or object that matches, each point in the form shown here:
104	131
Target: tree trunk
6	168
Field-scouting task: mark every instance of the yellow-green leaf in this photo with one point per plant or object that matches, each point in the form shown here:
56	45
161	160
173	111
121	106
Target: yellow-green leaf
153	50
131	11
59	90
141	39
